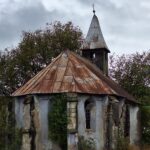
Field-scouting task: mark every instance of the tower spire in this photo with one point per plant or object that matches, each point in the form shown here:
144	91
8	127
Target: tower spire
94	45
94	9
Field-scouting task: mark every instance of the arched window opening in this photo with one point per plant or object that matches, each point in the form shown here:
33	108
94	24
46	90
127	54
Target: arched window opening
88	119
94	55
89	114
91	55
127	122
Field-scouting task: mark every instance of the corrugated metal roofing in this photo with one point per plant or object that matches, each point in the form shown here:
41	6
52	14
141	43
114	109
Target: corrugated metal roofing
71	73
94	38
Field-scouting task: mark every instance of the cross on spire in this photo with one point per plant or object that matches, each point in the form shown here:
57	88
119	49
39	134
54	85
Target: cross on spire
93	9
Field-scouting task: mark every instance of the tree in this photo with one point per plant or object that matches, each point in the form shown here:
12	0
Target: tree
34	52
18	65
133	74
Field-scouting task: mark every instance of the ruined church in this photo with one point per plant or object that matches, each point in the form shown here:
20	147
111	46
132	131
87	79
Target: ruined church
98	108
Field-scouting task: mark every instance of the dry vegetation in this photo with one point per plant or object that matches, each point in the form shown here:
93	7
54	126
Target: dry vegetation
136	148
146	147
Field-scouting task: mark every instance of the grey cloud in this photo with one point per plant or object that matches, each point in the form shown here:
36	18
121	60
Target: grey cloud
27	18
125	24
126	27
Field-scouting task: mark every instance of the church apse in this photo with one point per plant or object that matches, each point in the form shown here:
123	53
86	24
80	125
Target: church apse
98	109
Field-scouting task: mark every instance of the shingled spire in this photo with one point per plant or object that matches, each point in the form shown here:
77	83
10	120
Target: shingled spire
95	37
94	47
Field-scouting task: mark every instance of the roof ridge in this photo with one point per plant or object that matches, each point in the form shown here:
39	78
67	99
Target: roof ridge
86	76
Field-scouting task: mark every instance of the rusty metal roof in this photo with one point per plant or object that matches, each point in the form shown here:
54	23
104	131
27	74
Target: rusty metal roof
71	73
94	38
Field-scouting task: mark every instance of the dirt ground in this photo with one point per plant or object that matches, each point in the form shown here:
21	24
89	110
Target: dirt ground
137	148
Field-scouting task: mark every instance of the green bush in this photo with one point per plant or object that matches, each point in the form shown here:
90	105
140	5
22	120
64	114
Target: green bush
145	120
122	143
16	141
10	137
58	120
86	144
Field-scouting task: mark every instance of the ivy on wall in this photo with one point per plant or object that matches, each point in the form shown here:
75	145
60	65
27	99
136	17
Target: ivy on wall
145	121
10	137
58	120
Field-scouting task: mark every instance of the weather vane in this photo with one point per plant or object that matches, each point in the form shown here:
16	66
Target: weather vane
93	9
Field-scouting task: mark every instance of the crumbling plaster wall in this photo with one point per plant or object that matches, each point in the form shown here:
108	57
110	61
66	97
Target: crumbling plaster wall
134	125
43	106
19	112
72	136
99	133
33	121
107	124
72	141
111	120
115	114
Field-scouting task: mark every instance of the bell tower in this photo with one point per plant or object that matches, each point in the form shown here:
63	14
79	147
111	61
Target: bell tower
94	46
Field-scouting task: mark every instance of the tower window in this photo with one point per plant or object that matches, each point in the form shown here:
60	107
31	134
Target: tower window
92	55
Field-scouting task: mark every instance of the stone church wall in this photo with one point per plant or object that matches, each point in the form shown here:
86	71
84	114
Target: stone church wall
109	118
32	118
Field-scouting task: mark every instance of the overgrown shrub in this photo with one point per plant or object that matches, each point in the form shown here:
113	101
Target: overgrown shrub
10	137
58	120
145	120
16	141
86	144
122	143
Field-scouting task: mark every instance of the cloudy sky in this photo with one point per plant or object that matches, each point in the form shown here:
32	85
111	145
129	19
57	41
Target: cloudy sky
125	23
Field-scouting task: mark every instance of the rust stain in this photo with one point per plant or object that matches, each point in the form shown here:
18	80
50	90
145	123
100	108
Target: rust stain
71	73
